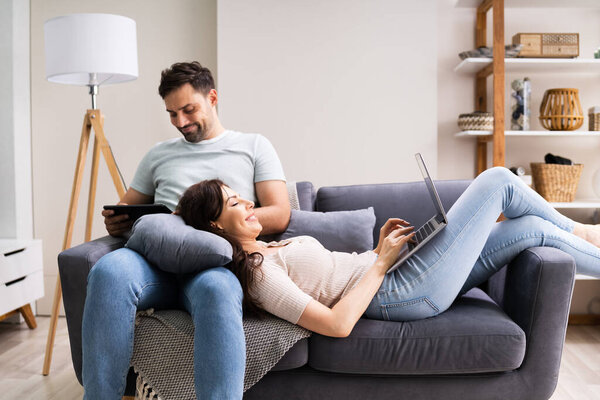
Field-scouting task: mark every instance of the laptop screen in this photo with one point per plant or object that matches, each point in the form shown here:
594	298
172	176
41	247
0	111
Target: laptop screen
435	198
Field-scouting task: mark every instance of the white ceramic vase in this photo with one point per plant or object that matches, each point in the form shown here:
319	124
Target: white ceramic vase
596	182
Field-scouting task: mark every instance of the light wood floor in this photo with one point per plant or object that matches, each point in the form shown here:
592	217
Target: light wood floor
22	354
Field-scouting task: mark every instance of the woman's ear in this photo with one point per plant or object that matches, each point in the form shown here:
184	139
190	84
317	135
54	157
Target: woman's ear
216	226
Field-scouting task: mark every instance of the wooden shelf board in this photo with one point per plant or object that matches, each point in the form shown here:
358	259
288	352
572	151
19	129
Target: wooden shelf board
534	65
533	4
532	133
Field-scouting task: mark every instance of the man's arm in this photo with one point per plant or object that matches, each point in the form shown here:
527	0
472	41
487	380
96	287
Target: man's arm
274	210
132	196
117	225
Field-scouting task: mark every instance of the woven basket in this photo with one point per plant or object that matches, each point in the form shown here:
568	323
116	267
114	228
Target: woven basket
556	182
561	110
477	121
594	119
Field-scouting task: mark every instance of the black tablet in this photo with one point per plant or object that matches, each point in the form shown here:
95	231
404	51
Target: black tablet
137	210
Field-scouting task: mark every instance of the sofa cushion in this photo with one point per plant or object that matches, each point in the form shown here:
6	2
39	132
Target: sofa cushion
295	357
474	335
171	245
346	231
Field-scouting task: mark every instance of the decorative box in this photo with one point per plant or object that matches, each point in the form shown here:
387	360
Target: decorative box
21	273
548	45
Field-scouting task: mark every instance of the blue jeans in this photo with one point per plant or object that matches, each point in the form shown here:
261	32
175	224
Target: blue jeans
123	282
474	246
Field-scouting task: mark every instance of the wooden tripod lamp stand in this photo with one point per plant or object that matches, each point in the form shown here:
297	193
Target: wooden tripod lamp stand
88	50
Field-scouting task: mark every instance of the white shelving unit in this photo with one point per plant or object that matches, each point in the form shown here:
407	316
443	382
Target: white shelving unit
534	3
581	277
532	133
471	66
480	68
578	203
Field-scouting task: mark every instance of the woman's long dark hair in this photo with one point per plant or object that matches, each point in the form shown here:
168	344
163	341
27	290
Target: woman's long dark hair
200	206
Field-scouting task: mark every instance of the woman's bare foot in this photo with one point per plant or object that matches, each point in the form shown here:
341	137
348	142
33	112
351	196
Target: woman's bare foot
588	232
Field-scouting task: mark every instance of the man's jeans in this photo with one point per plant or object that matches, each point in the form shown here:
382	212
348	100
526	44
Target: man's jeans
123	282
474	246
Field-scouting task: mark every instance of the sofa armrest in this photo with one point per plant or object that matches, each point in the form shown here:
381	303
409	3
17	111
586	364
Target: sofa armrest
537	296
74	264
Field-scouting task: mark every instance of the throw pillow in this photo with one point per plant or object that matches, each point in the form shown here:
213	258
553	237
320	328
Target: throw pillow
171	245
345	231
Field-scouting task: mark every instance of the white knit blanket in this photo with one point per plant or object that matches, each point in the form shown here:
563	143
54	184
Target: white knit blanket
163	351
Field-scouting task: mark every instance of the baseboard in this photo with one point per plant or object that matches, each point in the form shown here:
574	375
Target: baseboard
584	319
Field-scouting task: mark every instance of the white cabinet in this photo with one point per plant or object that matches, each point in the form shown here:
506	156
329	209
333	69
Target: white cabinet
21	273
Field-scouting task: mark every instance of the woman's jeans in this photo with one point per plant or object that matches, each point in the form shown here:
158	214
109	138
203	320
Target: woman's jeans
473	246
123	282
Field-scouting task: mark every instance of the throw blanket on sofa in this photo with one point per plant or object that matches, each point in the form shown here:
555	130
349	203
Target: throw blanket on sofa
163	350
163	353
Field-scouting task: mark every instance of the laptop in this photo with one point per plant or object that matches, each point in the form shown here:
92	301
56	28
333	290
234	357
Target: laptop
431	228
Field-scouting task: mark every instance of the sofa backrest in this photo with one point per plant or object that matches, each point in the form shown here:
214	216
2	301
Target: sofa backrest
307	195
409	201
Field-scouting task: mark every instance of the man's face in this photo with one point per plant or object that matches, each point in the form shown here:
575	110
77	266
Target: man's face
191	112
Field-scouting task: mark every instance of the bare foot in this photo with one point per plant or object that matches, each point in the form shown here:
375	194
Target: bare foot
593	234
588	232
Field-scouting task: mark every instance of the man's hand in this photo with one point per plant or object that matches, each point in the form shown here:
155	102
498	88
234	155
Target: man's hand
116	225
387	228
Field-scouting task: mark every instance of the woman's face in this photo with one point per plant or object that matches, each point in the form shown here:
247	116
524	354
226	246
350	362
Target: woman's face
237	217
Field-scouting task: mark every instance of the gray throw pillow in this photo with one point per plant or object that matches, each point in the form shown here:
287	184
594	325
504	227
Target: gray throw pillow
172	246
346	231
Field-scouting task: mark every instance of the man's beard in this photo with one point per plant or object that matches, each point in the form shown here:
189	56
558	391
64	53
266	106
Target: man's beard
194	136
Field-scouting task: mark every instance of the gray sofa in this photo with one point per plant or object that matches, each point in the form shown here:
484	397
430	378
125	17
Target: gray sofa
500	341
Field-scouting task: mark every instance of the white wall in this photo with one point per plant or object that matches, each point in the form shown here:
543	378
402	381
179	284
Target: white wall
135	117
344	89
7	180
16	219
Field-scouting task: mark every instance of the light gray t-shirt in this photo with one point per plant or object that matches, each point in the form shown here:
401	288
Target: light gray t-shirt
238	159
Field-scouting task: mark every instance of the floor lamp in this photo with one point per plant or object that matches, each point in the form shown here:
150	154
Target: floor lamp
88	50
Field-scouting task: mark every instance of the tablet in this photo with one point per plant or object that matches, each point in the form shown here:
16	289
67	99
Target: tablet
137	210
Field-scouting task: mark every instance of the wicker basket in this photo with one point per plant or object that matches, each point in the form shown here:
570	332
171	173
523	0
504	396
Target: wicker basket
561	110
556	182
594	118
476	121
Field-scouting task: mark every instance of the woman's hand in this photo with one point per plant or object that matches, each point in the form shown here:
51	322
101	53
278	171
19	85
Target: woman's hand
387	228
392	245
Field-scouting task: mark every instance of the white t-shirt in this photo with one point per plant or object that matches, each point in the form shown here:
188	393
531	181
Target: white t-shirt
238	159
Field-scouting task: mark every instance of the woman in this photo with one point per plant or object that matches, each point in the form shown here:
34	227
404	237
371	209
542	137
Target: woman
327	292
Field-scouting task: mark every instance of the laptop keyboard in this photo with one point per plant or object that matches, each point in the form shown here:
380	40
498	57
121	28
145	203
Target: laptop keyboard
423	232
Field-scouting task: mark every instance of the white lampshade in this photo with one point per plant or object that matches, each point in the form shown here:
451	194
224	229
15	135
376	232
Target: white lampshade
80	45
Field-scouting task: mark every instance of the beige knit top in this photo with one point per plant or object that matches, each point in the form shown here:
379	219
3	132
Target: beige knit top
302	270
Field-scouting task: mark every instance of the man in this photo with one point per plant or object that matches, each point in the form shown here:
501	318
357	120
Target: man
123	282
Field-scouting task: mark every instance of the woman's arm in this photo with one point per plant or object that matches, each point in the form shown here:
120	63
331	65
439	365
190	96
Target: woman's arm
339	320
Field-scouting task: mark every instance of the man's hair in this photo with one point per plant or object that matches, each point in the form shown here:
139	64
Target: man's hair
186	72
